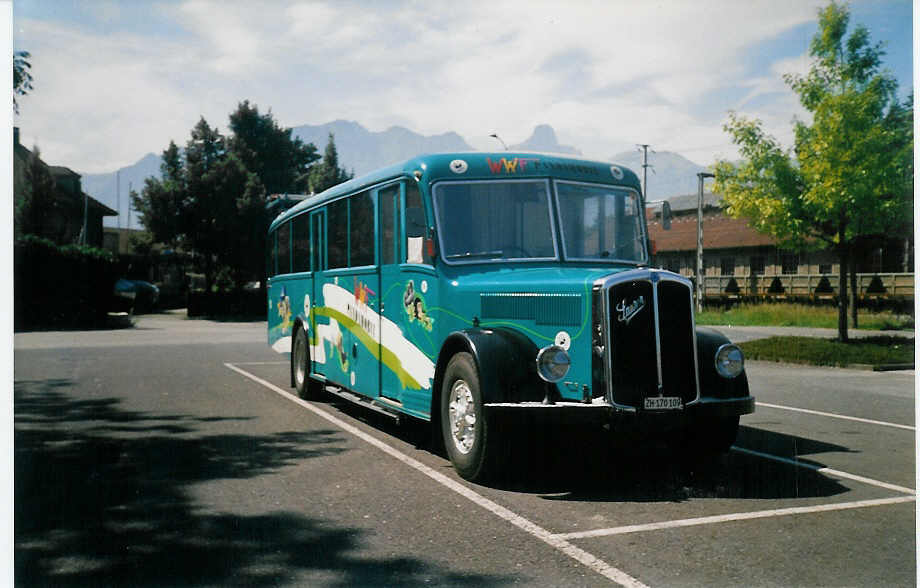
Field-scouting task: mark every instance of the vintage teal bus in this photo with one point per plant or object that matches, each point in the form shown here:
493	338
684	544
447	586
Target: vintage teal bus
462	288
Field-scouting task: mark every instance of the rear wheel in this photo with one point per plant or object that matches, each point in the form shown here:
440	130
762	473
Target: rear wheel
469	440
300	368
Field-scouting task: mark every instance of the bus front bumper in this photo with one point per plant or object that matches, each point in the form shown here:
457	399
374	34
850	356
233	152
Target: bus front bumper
601	411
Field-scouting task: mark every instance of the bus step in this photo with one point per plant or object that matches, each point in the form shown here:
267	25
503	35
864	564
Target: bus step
365	402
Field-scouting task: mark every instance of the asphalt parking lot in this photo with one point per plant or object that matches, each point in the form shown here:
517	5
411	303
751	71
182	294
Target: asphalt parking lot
174	454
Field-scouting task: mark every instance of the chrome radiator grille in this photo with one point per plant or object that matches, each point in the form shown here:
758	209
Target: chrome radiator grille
644	338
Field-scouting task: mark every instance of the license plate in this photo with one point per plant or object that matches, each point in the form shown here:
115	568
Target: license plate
663	403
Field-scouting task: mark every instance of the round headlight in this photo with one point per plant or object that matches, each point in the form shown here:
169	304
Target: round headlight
553	363
729	360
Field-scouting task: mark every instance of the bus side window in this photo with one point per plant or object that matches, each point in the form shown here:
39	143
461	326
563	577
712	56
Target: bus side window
361	223
284	248
271	254
337	234
416	226
318	242
388	200
300	251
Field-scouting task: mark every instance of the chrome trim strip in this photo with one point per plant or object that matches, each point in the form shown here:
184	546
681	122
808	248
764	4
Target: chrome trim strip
696	359
654	281
555	406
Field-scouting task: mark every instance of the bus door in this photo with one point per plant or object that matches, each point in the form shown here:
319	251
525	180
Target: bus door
346	295
318	265
360	285
388	199
409	287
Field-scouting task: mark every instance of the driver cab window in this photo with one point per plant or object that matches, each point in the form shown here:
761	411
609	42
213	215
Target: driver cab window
416	227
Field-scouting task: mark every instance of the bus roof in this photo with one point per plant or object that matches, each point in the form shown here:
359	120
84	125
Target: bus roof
477	165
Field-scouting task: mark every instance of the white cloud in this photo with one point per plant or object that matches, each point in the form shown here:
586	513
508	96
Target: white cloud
620	72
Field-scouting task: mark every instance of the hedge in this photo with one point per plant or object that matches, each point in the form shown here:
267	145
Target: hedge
61	285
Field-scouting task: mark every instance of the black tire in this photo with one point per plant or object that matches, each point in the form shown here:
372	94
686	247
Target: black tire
470	442
300	366
713	436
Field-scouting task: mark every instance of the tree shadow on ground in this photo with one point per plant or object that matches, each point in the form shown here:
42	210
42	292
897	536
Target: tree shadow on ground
101	498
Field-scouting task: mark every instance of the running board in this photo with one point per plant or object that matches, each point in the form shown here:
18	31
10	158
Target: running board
368	403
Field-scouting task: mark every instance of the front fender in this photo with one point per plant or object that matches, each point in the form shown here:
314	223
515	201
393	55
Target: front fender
506	361
712	384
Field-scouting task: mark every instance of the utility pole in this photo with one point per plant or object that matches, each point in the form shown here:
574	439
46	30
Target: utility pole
130	188
645	166
118	198
699	243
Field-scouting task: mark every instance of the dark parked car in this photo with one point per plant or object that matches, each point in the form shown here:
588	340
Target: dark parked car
135	296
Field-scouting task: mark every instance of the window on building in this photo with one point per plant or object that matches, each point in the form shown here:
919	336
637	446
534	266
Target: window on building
790	263
728	266
757	265
877	258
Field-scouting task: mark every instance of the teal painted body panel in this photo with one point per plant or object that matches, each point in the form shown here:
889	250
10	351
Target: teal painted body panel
379	331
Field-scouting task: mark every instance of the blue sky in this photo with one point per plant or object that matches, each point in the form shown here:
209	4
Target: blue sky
117	80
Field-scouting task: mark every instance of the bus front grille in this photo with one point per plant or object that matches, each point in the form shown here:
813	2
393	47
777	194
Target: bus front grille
651	339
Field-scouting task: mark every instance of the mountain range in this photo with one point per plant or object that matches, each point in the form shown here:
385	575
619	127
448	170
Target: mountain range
361	151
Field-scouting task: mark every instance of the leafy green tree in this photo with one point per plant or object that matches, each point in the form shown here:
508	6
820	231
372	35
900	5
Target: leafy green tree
850	173
198	203
327	173
36	201
160	203
210	197
22	77
240	230
281	163
264	148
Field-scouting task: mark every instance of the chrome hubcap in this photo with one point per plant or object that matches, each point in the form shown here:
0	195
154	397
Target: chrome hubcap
462	416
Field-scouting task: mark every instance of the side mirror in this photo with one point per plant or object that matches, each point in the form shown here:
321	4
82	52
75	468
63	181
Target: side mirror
666	216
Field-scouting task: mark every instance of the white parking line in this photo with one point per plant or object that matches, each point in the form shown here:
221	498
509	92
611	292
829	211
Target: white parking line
560	544
827	471
260	363
741	516
836	416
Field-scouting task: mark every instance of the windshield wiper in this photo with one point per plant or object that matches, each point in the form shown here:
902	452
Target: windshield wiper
478	254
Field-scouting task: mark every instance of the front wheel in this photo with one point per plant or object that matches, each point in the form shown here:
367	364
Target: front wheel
470	442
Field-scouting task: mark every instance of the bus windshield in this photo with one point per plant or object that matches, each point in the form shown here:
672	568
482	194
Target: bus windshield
600	223
500	220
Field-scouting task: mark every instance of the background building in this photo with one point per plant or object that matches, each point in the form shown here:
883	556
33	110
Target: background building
62	215
740	262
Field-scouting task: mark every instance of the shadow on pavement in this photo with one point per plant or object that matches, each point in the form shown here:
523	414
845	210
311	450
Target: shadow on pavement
586	465
590	464
101	498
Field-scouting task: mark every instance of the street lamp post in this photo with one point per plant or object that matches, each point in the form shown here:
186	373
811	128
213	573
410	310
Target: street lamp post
495	136
699	242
